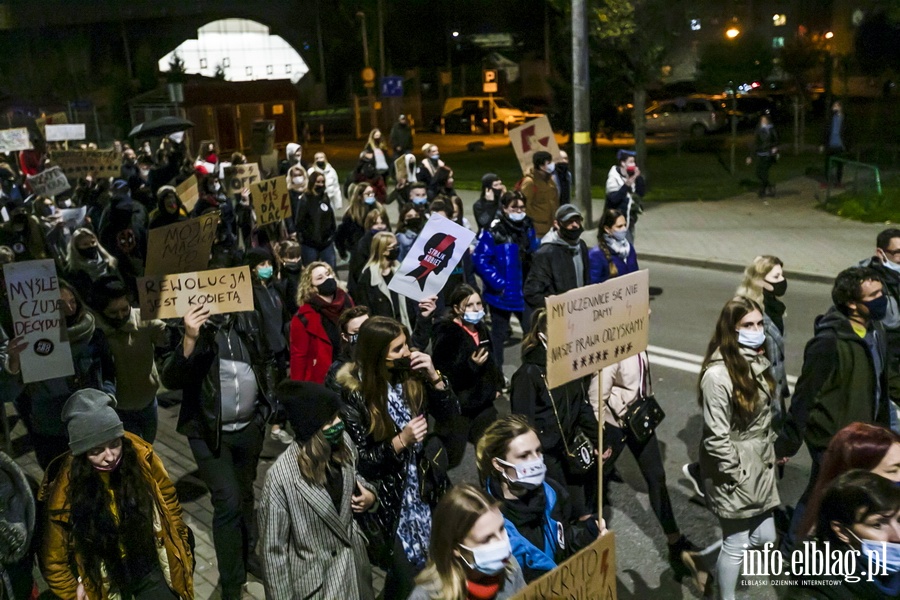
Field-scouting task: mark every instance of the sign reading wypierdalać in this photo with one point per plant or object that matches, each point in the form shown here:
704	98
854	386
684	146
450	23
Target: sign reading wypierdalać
172	296
13	140
238	177
432	258
49	182
81	163
271	200
532	137
189	192
181	247
589	574
61	133
597	325
34	301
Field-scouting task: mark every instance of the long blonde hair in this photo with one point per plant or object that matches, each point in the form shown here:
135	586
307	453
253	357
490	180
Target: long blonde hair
444	577
305	288
752	284
74	260
371	141
380	243
358	209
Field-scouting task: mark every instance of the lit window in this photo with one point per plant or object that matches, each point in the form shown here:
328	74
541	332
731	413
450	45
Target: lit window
778	42
695	24
248	70
269	69
203	63
779	20
287	68
226	62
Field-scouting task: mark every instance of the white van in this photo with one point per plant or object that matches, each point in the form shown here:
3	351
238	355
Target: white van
504	112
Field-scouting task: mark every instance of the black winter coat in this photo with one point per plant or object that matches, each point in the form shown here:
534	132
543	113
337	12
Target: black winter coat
315	227
475	385
553	272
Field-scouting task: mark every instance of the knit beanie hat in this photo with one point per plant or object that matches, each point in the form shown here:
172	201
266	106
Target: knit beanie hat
257	256
91	419
309	407
488	179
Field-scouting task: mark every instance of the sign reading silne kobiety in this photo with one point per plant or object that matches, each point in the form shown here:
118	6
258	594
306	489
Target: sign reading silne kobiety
172	296
595	326
271	200
432	258
34	301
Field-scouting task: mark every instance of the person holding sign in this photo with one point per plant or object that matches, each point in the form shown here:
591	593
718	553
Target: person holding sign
227	376
372	290
169	208
114	525
462	351
542	526
40	403
315	330
737	457
388	394
471	556
314	223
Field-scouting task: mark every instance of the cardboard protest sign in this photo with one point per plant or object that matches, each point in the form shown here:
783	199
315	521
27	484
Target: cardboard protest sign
597	325
73	218
61	133
13	140
181	247
532	137
34	301
432	258
238	177
591	573
189	192
79	163
49	182
271	200
172	296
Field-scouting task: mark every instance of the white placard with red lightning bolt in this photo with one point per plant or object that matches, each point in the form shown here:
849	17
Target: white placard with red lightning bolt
532	137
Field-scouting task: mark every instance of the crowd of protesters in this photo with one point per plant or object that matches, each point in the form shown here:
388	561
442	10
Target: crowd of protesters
375	396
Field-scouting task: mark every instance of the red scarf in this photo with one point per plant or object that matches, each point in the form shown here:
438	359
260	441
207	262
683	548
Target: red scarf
331	310
487	590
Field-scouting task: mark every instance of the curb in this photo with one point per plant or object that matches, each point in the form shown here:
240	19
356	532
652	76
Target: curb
727	267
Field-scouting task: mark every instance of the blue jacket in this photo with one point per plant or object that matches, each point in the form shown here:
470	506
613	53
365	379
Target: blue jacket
502	259
527	554
599	265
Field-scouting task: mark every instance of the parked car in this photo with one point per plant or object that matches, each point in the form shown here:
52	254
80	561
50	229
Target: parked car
464	120
749	109
503	110
696	115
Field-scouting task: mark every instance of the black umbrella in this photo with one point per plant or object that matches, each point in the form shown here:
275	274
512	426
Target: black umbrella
160	127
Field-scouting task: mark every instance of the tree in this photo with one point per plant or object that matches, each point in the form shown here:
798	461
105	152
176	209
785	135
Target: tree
177	72
799	58
876	43
744	59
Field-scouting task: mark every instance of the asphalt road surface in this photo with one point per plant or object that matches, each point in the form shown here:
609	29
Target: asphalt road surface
682	320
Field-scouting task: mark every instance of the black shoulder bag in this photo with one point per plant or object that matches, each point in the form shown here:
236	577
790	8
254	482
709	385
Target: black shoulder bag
580	454
645	414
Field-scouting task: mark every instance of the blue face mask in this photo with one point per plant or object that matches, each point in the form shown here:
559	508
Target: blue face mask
880	554
473	317
265	273
435	157
551	167
517	217
751	339
619	235
369	200
489	559
420	201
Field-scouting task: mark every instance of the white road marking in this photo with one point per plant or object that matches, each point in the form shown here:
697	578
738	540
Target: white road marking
684	361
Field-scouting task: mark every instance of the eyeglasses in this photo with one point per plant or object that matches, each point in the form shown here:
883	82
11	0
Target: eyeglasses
520	208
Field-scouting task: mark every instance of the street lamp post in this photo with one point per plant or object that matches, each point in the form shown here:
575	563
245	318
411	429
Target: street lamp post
370	96
581	109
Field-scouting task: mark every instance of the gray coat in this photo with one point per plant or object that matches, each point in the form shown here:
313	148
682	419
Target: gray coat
775	352
308	549
512	584
737	460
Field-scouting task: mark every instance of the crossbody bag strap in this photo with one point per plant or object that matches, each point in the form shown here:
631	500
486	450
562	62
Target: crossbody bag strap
562	434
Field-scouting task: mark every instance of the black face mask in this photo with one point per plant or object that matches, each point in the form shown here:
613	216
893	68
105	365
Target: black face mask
570	235
393	254
414	224
118	323
320	164
327	287
320	189
778	289
401	368
90	253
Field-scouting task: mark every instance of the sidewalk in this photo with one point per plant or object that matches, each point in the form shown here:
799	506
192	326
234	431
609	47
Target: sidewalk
728	234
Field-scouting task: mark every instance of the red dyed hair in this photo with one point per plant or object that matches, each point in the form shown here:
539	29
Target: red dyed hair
856	446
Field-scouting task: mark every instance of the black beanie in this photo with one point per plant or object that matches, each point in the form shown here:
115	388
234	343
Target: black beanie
309	407
257	256
488	180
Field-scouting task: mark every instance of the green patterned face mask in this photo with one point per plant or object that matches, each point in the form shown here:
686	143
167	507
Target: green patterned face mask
334	434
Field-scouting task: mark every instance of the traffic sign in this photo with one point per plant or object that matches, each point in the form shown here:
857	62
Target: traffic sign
489	81
391	87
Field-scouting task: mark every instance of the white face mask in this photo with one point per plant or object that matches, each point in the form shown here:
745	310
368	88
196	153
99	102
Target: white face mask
491	558
297	180
751	339
889	263
529	474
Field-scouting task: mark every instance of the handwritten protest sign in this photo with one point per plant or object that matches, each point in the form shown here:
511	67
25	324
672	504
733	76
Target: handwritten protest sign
73	218
532	137
61	133
78	163
405	166
181	247
12	140
271	200
189	192
591	573
33	290
172	296
432	258
597	325
238	177
49	182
